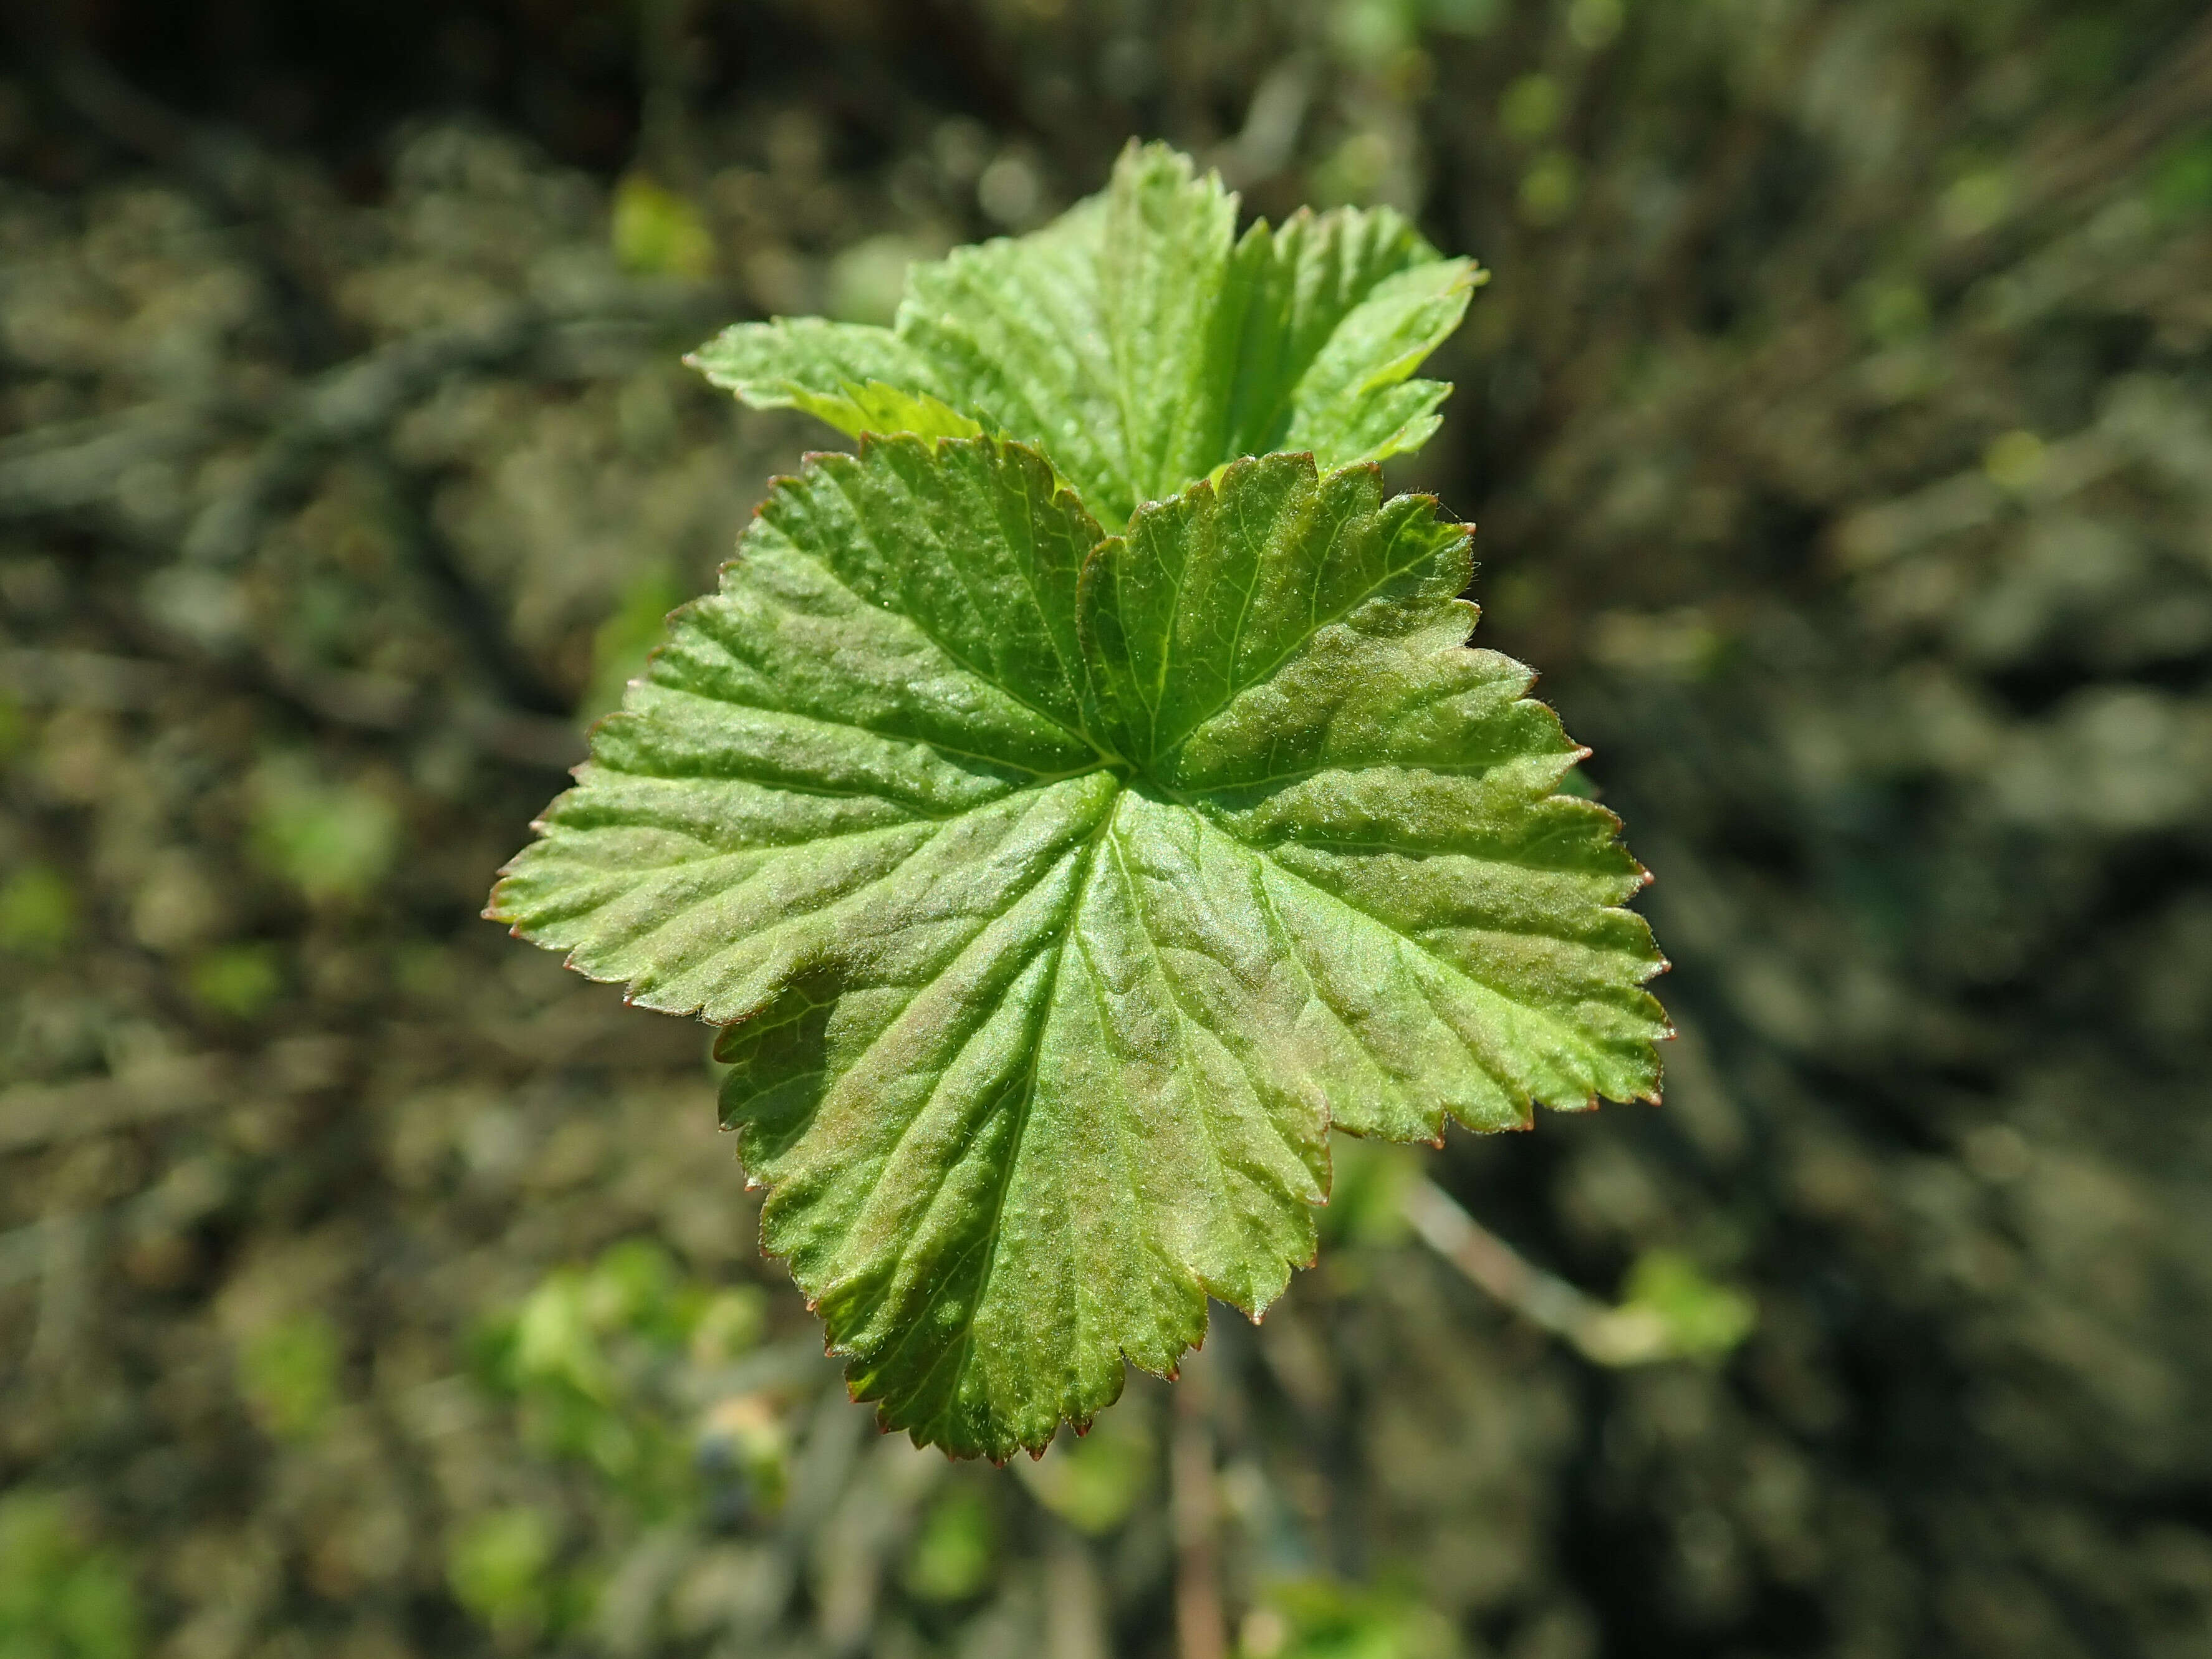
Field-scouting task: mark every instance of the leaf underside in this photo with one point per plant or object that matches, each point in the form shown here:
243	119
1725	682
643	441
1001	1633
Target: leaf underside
1138	340
1058	894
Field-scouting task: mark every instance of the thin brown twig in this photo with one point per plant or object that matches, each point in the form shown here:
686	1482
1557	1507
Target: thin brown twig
1202	1626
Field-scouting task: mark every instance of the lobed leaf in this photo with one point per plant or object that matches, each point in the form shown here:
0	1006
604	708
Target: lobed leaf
1059	893
1138	341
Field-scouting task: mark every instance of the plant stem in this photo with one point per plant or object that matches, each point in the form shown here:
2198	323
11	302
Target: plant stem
1604	1333
1201	1628
1075	1610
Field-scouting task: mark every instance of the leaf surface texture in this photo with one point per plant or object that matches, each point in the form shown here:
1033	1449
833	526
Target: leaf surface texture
1138	341
1059	893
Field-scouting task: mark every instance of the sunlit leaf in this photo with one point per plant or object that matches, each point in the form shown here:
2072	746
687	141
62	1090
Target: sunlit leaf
1060	892
1138	340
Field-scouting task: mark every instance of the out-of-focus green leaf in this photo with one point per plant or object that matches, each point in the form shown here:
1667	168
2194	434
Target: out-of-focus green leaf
658	233
237	980
1703	1319
333	841
1322	1618
620	644
594	1359
1367	1192
500	1568
1138	340
1059	894
1549	188
288	1372
953	1550
729	1323
60	1598
1094	1482
868	279
2181	179
1531	107
1380	35
37	911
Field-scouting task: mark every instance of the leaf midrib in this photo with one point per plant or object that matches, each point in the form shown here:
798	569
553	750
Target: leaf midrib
1316	622
992	1235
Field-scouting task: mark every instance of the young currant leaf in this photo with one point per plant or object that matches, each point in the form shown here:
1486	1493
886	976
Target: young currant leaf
1060	893
1138	341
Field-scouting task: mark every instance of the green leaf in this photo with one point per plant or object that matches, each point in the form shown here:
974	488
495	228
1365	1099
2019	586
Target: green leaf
1060	893
1095	1483
622	643
499	1566
335	841
1322	1618
955	1550
854	376
1138	341
288	1372
658	233
60	1597
238	980
37	911
1703	1319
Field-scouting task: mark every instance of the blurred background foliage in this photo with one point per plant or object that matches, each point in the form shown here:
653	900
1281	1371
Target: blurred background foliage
1838	425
